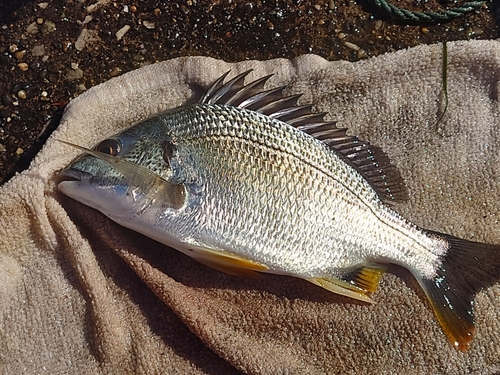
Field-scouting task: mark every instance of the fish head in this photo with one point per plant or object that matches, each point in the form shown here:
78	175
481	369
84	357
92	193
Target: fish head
123	175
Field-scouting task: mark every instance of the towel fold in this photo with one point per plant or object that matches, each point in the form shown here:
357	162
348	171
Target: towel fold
80	294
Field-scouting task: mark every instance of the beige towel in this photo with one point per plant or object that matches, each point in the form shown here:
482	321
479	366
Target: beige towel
82	295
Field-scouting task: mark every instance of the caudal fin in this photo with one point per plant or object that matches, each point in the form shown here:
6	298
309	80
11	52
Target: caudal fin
467	268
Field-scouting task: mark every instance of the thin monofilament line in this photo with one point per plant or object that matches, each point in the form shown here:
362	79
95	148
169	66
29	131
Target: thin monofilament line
444	84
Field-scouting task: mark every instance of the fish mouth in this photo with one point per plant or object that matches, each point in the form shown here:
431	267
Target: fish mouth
71	174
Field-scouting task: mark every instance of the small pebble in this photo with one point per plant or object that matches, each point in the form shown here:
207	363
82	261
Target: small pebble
23	67
21	94
93	7
133	8
43	5
120	33
331	5
19	151
32	28
424	30
13	48
65	45
87	20
362	54
2	148
38	50
72	74
20	54
86	36
352	46
115	72
477	31
148	25
48	27
39	20
138	58
157	12
44	96
74	66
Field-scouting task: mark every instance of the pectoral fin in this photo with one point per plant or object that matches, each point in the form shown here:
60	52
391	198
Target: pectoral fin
356	285
225	262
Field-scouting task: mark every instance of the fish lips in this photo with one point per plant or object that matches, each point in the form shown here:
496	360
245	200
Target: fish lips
76	184
72	174
112	200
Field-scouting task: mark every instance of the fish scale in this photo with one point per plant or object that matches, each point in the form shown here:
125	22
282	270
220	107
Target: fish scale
214	147
246	181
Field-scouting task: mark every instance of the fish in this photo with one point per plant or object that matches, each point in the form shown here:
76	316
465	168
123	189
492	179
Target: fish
247	181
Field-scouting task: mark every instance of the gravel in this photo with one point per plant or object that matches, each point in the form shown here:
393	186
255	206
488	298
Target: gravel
51	51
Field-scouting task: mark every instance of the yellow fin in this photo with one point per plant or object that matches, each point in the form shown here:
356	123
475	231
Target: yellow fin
341	287
225	262
368	277
356	285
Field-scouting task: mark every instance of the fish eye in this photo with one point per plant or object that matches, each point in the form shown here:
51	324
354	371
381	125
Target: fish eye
109	146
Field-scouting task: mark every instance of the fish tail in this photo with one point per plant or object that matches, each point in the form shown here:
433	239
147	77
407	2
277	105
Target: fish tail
466	268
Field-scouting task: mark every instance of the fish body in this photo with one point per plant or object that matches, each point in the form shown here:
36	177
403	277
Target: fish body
246	181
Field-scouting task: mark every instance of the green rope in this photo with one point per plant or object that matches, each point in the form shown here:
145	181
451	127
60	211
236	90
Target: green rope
427	17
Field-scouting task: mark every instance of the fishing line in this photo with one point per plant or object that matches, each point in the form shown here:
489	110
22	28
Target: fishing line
151	183
444	89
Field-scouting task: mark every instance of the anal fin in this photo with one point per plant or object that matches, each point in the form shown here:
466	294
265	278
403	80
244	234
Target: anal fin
225	262
368	277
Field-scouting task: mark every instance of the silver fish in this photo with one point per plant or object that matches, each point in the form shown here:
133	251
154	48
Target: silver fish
247	181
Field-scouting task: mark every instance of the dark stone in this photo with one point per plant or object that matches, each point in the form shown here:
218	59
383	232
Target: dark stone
4	112
7	100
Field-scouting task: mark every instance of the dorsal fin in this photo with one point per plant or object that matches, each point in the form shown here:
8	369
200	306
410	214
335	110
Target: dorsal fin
370	161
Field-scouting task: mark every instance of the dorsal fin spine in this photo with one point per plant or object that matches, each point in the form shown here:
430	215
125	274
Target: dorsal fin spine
370	161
